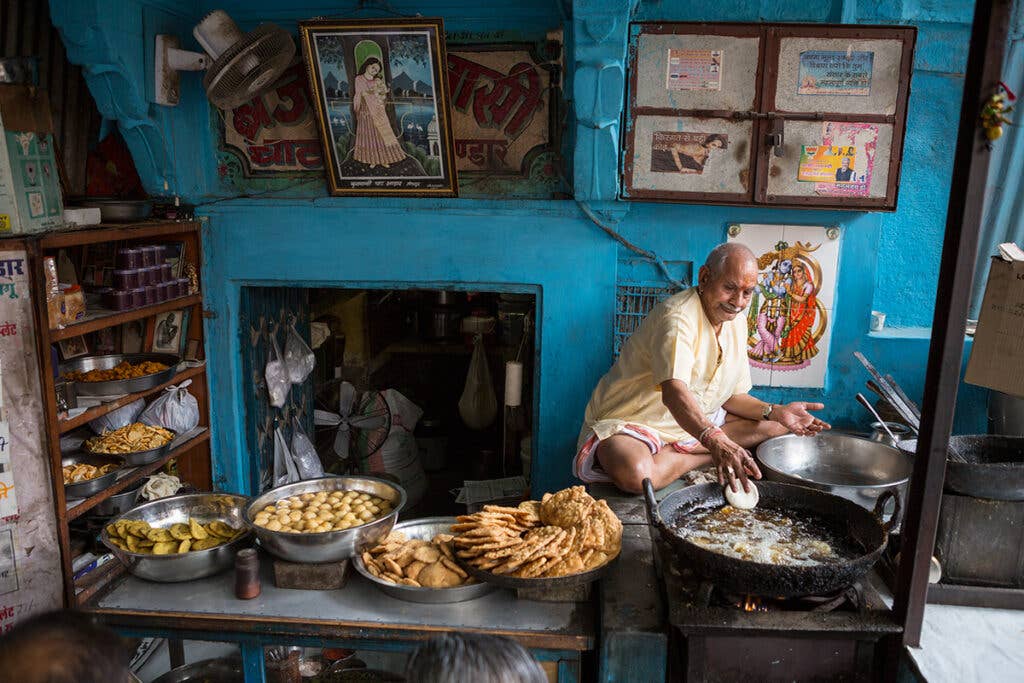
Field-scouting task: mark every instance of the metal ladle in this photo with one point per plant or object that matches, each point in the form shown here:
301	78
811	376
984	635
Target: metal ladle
871	409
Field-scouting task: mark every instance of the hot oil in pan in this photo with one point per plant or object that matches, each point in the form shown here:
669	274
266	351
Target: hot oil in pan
763	535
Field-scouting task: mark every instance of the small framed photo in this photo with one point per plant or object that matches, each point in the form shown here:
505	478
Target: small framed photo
133	335
73	347
107	340
192	350
167	332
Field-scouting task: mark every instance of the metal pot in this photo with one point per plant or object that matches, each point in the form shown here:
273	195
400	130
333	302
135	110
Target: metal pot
1005	414
878	433
990	466
119	502
857	469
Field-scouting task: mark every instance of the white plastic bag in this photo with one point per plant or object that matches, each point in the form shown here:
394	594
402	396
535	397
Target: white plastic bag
284	468
298	357
115	419
276	375
307	462
478	405
176	409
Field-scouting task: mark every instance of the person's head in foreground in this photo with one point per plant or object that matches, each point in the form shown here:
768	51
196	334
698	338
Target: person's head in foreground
63	646
472	657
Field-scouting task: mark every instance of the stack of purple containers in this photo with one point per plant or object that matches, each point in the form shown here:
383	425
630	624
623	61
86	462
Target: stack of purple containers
143	278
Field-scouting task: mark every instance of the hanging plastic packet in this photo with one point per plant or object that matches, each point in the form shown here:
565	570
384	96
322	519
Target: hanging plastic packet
115	419
478	405
298	357
284	467
304	454
276	375
176	409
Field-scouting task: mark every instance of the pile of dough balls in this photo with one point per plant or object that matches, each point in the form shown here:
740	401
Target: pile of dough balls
311	513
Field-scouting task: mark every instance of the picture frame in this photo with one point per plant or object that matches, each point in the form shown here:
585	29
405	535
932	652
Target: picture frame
73	347
168	330
133	335
107	340
380	93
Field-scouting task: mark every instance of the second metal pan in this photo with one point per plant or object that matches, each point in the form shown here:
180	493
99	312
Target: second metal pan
120	386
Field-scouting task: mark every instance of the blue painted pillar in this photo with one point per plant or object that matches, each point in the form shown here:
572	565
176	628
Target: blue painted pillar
601	32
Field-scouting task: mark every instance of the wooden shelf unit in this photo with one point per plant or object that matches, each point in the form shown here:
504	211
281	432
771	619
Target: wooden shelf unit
192	454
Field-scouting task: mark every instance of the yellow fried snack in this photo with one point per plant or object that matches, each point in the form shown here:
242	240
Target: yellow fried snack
565	533
322	511
79	472
123	370
130	439
415	562
140	537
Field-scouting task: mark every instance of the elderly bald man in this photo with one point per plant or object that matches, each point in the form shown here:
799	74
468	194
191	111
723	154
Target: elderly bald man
678	396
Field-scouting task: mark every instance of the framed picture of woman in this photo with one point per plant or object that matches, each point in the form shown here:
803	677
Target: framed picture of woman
380	89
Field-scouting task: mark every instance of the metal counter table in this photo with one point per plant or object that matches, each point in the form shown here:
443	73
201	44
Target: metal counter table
357	616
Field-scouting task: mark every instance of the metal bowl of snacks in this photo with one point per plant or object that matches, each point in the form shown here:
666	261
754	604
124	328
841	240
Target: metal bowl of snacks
119	502
425	530
84	473
180	538
119	441
77	370
291	541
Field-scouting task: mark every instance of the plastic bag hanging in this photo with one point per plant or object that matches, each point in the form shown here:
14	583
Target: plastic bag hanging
176	409
478	405
276	375
304	454
284	468
115	419
298	357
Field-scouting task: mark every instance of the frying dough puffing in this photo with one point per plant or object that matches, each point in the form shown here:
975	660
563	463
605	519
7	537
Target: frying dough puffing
140	537
565	533
416	562
130	439
322	511
123	370
80	472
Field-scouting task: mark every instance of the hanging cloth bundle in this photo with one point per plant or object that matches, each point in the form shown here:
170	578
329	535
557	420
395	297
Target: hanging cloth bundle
478	405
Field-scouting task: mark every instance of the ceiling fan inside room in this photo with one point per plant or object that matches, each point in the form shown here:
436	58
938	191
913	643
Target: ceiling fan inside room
239	66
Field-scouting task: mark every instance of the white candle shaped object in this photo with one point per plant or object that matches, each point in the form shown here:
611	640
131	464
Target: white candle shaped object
513	384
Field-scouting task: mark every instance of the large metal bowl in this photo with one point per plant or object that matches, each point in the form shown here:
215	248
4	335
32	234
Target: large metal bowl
117	387
136	458
84	489
204	508
857	469
222	670
425	529
327	546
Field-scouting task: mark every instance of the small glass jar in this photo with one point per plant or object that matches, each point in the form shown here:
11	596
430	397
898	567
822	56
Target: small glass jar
166	275
138	297
129	258
117	299
149	295
128	279
162	292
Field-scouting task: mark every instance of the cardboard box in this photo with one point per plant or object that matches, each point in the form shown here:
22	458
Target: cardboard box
997	356
30	194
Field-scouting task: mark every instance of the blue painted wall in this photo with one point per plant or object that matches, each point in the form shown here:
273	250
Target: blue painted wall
888	261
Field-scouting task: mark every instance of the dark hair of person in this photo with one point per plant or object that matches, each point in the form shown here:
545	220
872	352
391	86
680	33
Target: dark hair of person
715	136
63	646
475	657
368	62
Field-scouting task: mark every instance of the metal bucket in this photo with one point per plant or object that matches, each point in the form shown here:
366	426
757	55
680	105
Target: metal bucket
1005	414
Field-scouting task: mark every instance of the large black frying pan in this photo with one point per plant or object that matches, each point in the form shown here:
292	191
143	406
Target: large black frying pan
845	519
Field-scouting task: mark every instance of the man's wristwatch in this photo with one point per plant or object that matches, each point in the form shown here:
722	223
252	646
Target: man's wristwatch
767	410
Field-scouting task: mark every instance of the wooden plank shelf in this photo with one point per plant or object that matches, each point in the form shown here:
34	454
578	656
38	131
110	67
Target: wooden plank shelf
69	424
78	507
104	318
109	232
97	580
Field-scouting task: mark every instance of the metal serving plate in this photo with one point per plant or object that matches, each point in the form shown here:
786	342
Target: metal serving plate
136	458
327	546
505	581
425	529
224	670
84	489
195	564
120	386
